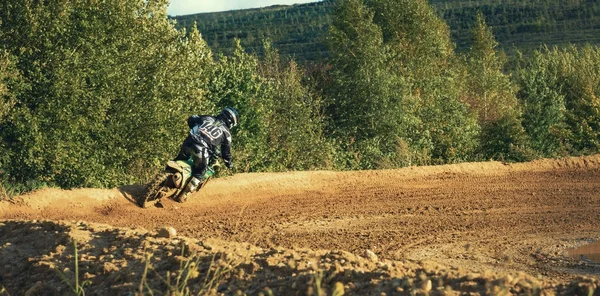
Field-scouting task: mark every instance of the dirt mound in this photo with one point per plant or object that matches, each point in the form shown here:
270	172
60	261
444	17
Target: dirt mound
487	217
38	258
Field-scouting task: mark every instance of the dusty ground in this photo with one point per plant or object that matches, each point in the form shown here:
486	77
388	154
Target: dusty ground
489	227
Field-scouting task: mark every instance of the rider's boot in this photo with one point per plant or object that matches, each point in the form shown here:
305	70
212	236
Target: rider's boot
192	186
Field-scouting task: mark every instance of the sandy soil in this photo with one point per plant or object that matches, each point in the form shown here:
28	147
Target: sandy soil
479	217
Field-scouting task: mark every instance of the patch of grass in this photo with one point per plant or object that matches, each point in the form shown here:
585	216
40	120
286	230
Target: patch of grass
338	289
3	196
9	190
178	284
76	287
315	285
144	282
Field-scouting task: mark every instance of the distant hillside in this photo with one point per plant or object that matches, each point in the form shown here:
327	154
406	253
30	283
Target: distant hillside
294	30
297	31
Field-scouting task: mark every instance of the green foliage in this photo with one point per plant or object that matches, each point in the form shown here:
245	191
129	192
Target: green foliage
393	61
447	130
419	39
580	75
11	85
492	96
97	93
543	104
235	82
563	106
299	31
280	123
295	138
504	139
423	58
490	92
105	89
361	81
11	189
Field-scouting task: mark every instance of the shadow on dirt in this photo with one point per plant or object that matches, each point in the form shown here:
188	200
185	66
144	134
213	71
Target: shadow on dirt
22	246
132	193
38	258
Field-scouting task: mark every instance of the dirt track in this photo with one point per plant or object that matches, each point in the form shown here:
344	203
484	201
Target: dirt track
479	216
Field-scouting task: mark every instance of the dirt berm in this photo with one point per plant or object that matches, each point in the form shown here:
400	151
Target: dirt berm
473	228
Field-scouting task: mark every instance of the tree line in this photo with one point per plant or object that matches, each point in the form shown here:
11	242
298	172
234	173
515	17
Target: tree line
299	31
96	94
296	30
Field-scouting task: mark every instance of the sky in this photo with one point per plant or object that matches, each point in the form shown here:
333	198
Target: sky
183	7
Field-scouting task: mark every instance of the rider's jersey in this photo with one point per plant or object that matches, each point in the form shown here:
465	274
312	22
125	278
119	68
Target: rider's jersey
209	132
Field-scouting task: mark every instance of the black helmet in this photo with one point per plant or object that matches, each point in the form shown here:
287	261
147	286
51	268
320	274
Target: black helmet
229	116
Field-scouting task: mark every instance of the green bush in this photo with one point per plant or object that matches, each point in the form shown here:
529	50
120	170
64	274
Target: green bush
394	61
296	139
492	96
11	85
560	92
105	89
96	94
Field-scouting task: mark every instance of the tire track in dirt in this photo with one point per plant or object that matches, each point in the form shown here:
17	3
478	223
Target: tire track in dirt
517	217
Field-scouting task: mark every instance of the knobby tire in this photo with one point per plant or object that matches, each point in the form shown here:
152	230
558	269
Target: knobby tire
153	189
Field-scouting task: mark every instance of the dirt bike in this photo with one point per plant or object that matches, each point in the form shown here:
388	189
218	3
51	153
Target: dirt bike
171	182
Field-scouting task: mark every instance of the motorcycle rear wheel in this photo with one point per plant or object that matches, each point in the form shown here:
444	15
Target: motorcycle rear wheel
153	190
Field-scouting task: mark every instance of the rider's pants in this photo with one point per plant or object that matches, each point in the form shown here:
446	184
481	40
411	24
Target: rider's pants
198	153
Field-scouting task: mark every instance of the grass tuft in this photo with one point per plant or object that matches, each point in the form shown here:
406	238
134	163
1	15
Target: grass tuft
77	288
3	196
3	291
8	190
178	282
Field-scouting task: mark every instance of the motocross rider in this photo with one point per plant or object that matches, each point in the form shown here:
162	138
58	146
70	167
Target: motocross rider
207	133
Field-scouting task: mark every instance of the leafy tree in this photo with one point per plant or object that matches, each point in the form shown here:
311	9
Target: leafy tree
106	89
490	92
505	139
234	82
580	77
296	127
11	84
560	88
361	81
543	104
492	96
436	121
419	39
280	127
394	61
